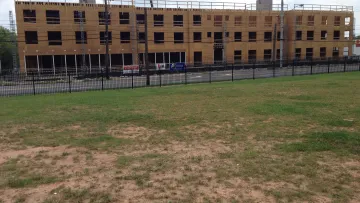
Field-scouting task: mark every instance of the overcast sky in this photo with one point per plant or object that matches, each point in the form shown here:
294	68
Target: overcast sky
6	5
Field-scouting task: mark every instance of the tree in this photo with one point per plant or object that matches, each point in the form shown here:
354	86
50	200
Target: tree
6	50
357	37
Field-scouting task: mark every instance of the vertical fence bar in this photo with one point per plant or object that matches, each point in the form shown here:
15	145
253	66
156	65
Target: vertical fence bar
274	65
359	63
253	69
102	79
293	68
132	78
328	65
345	64
209	74
232	72
33	82
311	66
69	83
185	75
160	78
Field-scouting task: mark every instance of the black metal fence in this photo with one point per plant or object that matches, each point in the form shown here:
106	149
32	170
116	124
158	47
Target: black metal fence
23	84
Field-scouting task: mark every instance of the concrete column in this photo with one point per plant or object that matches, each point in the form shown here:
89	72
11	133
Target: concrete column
76	69
163	57
122	55
110	61
180	57
99	62
25	65
66	71
53	63
155	58
90	62
38	64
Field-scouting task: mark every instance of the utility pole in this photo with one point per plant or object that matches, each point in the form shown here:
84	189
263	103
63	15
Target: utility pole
274	45
82	35
146	49
281	33
106	41
13	41
224	43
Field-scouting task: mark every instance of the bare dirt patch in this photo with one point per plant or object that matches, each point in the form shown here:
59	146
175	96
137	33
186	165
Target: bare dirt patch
132	132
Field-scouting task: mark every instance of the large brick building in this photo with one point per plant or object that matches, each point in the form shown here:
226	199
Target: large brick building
58	36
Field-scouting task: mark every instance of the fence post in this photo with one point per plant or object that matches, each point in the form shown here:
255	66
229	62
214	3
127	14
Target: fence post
132	78
232	72
328	65
69	83
274	64
185	75
33	81
253	71
209	74
359	63
311	66
293	68
345	64
160	77
102	79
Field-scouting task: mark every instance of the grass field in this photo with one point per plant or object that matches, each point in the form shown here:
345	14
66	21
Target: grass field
292	139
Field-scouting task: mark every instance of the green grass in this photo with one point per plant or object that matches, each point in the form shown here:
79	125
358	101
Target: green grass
292	138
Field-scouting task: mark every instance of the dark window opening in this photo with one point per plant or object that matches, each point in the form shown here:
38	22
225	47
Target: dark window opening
127	59
336	35
125	37
252	21
158	20
298	53
310	35
309	53
178	20
102	18
252	36
237	56
54	38
209	34
31	37
322	52
337	20
251	55
103	40
197	58
277	54
298	35
158	37
218	37
29	16
217	20
178	37
141	37
174	57
124	18
79	16
81	37
335	52
267	36
311	20
323	35
197	36
218	55
237	36
52	17
267	54
278	36
196	20
140	18
238	20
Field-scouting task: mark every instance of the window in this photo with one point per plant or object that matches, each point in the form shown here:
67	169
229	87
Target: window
347	21
252	55
336	35
103	39
197	58
311	20
310	35
278	36
141	37
298	53
309	53
226	18
252	21
208	17
237	56
278	54
268	21
125	37
54	38
158	20
238	20
52	17
237	36
252	36
197	36
31	37
267	54
29	16
324	20
79	16
335	52
298	20
178	37
124	18
337	21
102	18
322	52
346	35
267	36
298	35
217	20
218	37
178	20
209	34
196	20
81	37
140	18
346	51
158	37
323	34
